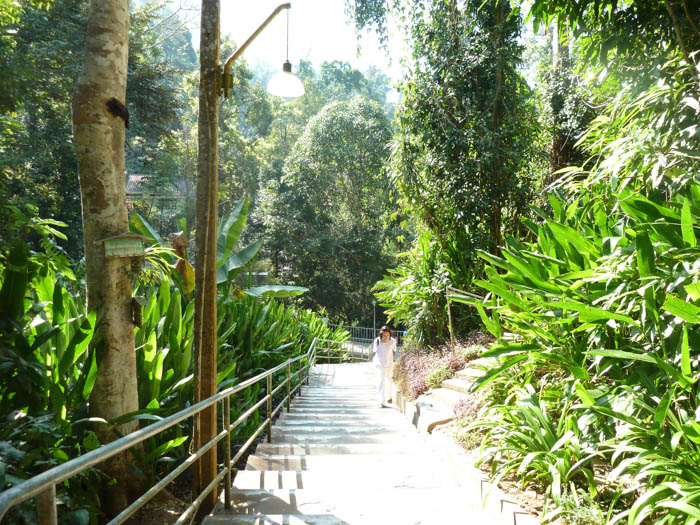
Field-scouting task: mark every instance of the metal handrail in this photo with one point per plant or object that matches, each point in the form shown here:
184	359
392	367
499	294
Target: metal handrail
365	334
343	354
43	485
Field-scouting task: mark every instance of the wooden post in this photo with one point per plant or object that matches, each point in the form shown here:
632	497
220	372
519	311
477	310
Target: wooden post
227	452
46	506
269	408
449	317
289	386
205	337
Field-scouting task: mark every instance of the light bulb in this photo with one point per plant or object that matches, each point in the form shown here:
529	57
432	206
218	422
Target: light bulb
285	84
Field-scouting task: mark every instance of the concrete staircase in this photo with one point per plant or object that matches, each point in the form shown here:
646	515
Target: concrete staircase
337	458
441	401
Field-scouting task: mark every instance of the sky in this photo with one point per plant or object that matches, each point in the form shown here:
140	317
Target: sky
319	30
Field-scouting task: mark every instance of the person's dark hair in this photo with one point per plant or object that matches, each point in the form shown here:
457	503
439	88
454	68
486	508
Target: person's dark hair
384	328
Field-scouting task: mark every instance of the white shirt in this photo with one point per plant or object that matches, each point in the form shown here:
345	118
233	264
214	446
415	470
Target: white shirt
384	352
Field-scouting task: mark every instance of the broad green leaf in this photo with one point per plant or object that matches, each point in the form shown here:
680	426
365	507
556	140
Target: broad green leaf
275	291
621	354
585	396
138	224
230	230
590	313
693	291
645	254
686	311
685	355
14	284
237	261
687	225
660	415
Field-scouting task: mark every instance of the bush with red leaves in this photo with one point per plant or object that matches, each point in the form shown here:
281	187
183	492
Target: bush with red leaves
415	364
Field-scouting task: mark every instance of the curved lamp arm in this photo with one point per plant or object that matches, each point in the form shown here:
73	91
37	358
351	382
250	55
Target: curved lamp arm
227	80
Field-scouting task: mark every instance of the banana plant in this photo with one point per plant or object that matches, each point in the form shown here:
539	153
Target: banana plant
230	261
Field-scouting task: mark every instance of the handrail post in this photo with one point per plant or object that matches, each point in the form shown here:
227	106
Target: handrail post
269	408
227	452
289	386
46	503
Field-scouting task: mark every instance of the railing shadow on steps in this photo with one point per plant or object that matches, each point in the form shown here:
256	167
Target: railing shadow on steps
43	486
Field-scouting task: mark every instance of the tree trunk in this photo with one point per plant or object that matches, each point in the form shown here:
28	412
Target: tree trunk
205	272
562	146
99	147
498	107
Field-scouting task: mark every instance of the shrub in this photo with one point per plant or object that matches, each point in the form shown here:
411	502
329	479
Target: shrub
468	408
437	375
415	365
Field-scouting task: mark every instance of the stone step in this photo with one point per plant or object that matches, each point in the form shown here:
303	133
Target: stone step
340	388
469	374
334	399
342	430
357	505
341	438
447	397
335	421
299	449
274	519
435	518
342	410
332	403
395	460
458	385
407	476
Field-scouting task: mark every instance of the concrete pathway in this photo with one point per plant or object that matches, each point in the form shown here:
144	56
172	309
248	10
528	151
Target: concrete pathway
337	458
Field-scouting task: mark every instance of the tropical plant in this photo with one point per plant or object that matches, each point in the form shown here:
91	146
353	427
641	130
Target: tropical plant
48	365
330	223
523	440
413	294
606	299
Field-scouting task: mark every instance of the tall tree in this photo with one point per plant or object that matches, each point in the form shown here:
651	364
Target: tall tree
99	117
329	222
465	125
205	337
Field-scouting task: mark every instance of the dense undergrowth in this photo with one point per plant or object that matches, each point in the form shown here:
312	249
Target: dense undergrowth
419	369
596	318
593	399
48	362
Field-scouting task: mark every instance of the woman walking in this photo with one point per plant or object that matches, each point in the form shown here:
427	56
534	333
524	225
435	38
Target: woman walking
384	348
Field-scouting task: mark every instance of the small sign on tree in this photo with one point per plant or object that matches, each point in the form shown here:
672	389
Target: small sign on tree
123	245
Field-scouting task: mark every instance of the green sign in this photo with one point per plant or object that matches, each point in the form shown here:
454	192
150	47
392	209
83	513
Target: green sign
123	247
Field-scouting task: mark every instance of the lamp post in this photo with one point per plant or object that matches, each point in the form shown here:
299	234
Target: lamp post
374	318
212	83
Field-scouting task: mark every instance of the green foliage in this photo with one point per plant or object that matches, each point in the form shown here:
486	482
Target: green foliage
48	358
437	376
47	364
578	509
605	302
624	36
523	440
42	46
465	126
329	222
413	294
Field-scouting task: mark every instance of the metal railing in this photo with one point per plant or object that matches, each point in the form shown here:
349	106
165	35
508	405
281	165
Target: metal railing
43	486
328	350
365	335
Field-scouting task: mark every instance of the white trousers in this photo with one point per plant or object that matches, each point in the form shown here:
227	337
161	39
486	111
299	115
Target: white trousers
384	374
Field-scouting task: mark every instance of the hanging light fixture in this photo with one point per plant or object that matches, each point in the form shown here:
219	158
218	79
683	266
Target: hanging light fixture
284	83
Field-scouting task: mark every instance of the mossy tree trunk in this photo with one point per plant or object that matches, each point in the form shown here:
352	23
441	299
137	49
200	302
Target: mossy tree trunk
98	129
